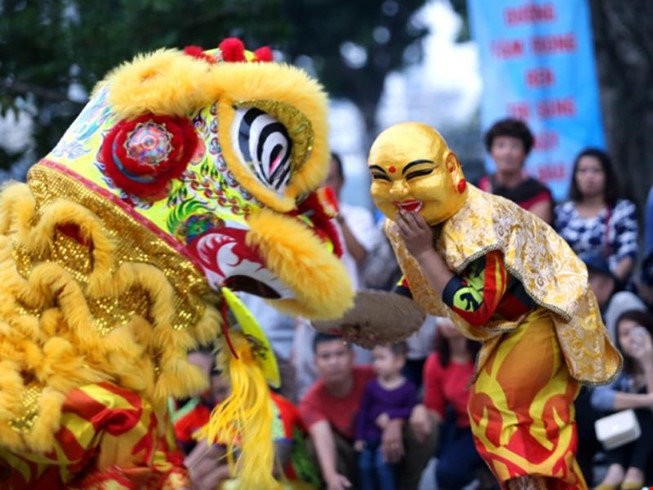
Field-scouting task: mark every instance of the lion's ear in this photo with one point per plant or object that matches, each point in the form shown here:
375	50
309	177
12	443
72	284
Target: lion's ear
165	82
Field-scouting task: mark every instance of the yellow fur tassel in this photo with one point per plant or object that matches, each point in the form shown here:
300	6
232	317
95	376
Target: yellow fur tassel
291	250
244	419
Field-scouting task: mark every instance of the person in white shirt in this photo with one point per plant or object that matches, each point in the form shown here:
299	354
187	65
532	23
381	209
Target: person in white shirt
360	236
359	231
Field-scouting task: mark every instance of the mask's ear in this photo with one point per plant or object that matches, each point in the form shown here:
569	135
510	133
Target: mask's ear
456	171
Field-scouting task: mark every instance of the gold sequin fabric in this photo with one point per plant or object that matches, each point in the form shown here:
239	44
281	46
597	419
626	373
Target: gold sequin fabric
87	294
550	271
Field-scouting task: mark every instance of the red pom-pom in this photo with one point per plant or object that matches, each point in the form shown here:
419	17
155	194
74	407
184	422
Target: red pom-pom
198	52
321	207
232	49
264	54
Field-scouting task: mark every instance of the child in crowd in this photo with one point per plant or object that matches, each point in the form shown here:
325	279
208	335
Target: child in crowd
191	414
293	466
388	396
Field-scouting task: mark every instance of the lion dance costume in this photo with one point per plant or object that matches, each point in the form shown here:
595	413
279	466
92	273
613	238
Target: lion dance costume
518	288
187	173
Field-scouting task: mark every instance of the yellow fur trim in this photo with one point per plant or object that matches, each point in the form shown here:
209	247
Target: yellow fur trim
16	209
90	228
75	313
163	82
244	419
293	252
170	82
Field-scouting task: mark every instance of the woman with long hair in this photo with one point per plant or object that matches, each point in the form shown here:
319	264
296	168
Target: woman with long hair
596	217
632	389
448	372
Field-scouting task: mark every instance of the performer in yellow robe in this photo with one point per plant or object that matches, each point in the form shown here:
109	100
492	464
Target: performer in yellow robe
503	277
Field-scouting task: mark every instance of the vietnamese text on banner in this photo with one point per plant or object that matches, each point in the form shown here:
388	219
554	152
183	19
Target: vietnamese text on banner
537	64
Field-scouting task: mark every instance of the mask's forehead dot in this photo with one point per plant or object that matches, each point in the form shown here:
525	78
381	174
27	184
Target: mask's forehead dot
392	169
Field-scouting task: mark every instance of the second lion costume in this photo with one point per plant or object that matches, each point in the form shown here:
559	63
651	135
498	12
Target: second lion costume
505	278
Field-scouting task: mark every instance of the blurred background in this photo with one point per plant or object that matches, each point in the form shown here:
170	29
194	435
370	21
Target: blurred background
382	61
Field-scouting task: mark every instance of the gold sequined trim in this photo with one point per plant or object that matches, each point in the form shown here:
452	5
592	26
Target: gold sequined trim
29	398
134	244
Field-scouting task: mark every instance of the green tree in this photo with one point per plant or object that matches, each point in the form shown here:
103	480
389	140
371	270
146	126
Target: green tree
47	45
624	50
353	45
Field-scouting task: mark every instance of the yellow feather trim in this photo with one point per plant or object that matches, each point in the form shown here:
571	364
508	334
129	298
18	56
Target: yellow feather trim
244	419
293	252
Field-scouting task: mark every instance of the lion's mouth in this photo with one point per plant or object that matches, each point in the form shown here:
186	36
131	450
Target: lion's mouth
250	285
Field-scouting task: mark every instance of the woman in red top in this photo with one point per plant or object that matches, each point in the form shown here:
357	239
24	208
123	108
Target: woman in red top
509	141
448	373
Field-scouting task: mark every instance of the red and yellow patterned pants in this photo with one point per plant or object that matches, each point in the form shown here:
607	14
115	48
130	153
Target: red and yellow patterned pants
521	407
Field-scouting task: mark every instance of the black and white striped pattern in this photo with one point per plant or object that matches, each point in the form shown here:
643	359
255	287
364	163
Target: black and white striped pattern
263	143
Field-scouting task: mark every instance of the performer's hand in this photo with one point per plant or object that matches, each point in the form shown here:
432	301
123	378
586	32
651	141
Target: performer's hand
418	239
206	466
392	445
415	231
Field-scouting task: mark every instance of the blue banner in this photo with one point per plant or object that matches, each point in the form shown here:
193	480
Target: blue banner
537	64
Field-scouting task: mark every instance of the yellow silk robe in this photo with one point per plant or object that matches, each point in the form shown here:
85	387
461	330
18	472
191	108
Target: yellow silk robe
534	253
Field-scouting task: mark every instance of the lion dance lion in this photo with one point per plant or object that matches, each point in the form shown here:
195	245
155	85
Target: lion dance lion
186	173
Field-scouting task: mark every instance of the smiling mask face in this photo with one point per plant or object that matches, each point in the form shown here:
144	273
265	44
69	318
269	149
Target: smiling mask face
413	169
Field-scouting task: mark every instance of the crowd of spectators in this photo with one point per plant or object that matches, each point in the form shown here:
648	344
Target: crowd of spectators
359	413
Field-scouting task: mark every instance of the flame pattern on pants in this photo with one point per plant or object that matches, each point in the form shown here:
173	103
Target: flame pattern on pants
521	407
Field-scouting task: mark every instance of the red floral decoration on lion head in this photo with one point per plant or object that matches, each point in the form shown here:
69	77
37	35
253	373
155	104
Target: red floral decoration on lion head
143	155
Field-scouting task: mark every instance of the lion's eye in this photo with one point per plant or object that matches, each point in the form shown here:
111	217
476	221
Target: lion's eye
263	144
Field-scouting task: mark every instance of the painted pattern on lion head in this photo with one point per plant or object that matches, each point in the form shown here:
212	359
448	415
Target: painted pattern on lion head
186	172
212	156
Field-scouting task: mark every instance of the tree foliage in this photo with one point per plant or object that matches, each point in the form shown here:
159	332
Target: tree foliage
48	45
378	33
623	41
